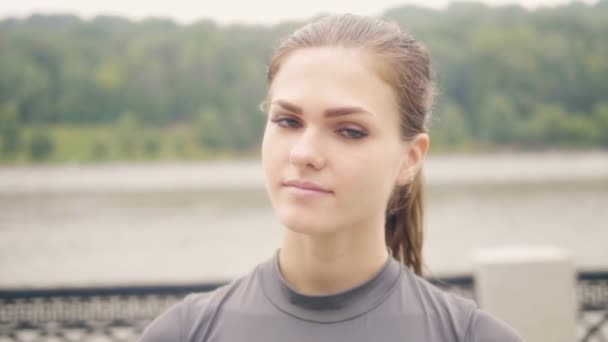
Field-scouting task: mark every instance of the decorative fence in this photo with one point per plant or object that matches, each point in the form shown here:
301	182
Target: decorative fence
120	314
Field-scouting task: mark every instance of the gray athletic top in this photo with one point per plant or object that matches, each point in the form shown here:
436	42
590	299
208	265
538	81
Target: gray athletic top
393	305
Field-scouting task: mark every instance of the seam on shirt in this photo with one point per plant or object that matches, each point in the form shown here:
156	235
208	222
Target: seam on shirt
382	300
229	289
181	316
467	336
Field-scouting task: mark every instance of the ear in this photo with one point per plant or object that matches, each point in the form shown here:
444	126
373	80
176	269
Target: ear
414	153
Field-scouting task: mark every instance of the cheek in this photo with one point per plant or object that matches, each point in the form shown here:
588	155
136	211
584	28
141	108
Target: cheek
366	175
369	163
273	152
268	154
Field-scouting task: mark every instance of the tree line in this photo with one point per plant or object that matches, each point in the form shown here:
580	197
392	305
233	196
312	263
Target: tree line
110	88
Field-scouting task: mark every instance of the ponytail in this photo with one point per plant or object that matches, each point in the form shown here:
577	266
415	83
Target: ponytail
404	223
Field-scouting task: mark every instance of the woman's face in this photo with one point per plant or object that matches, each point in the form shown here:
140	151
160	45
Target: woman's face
333	122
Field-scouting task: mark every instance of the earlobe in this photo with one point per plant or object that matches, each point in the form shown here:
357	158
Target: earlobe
406	172
413	157
406	175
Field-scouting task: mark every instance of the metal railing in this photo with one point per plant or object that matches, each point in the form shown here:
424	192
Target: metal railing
120	314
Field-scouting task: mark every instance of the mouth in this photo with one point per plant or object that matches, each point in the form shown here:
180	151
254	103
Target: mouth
306	187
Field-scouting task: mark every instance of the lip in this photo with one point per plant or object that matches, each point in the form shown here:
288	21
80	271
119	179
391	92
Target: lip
304	185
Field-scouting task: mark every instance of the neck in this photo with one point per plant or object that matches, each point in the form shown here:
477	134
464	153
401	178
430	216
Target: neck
316	265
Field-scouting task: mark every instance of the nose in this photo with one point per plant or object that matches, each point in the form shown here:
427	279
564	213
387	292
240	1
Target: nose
307	151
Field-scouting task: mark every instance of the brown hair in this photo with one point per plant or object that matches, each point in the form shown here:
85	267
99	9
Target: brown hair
406	68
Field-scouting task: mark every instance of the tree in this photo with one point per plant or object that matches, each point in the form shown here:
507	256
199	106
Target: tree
600	118
552	126
99	150
10	133
505	72
210	134
499	121
41	146
126	130
448	130
151	145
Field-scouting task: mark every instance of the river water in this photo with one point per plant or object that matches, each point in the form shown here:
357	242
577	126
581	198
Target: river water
185	222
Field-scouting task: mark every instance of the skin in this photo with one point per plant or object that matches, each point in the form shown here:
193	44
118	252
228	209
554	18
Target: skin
336	240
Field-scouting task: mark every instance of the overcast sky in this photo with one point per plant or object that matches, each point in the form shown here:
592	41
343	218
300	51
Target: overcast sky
228	11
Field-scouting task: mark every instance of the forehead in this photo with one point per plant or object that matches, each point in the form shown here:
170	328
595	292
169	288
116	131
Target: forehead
317	78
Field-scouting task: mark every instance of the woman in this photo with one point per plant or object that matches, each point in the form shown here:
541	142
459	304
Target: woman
348	100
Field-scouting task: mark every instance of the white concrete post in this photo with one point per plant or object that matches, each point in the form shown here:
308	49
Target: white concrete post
531	288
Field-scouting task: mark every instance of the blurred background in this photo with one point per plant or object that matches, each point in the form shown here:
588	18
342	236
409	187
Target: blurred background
130	136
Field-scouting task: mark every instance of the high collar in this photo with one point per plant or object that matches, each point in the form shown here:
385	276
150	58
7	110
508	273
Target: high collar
334	307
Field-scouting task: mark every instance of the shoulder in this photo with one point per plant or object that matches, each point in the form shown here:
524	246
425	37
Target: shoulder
460	315
171	324
192	318
445	311
484	327
187	317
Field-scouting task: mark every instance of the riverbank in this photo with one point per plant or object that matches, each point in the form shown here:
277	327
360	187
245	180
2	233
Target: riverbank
444	170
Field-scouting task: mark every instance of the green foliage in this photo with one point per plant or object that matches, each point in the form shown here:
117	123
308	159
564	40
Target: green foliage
126	127
10	134
499	122
209	132
600	118
551	125
151	146
112	89
41	146
448	129
99	150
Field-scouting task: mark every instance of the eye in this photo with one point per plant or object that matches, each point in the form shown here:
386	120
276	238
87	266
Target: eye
352	133
286	122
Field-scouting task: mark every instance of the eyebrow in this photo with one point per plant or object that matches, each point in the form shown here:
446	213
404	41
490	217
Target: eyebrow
330	112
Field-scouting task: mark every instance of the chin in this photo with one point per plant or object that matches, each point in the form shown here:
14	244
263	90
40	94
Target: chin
306	223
